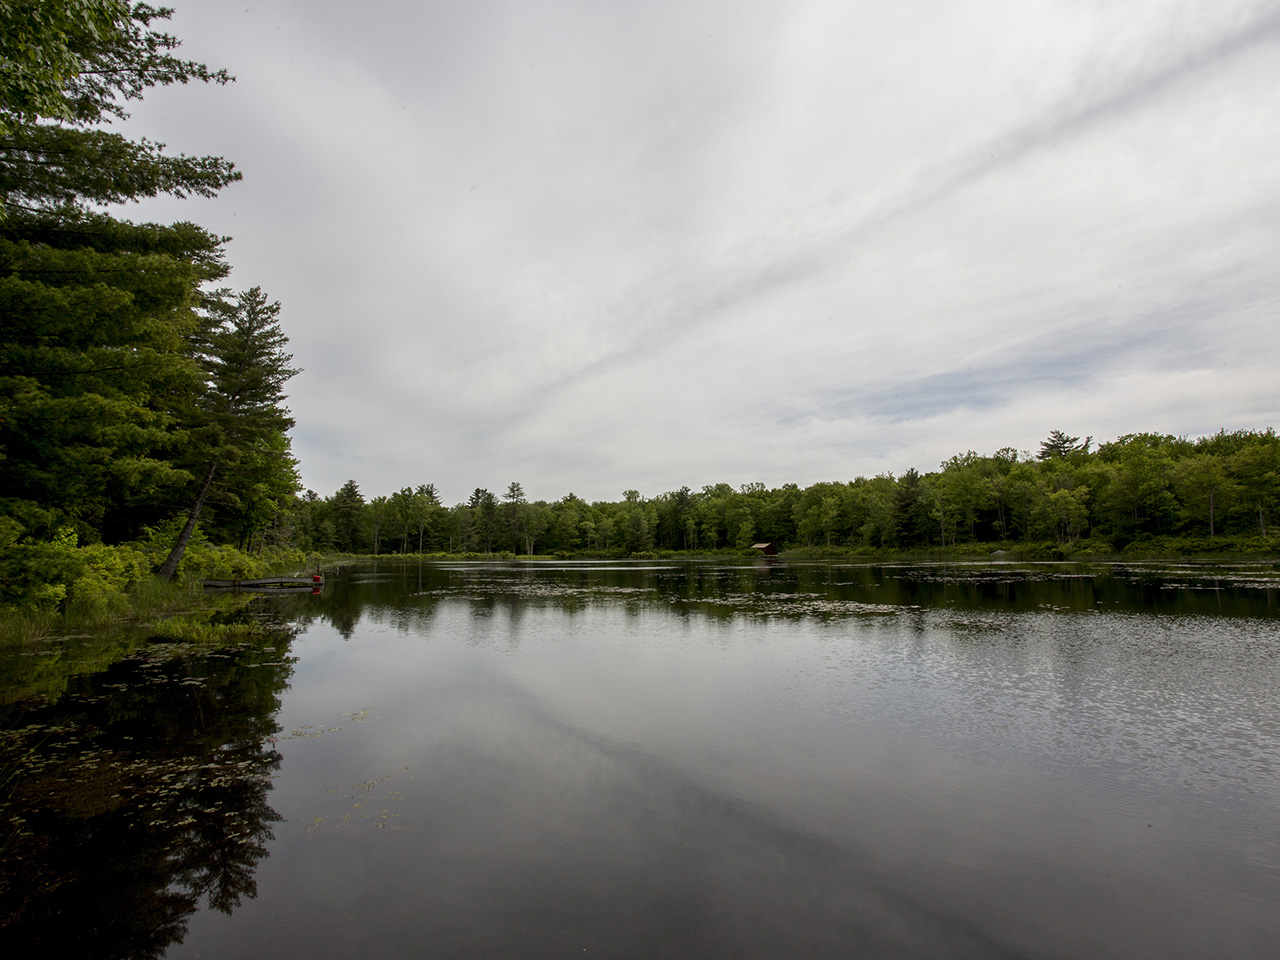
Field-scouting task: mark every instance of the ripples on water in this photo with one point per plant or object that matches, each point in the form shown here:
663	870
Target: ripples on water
680	760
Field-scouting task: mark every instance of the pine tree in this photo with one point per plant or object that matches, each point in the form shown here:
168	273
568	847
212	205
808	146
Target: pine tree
241	419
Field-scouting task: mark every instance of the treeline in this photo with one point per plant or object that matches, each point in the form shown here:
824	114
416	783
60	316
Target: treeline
1210	492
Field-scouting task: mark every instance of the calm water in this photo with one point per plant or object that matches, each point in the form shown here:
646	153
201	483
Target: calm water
665	760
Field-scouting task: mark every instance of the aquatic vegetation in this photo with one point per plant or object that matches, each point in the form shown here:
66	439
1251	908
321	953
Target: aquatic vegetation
360	813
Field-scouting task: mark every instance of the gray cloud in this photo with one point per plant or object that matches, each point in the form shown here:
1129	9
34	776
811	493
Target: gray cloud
593	247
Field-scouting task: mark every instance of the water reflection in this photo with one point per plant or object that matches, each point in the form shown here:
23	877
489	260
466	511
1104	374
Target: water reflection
663	759
136	794
778	589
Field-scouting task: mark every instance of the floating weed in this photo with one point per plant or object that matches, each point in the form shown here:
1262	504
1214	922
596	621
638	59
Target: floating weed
356	811
311	731
307	731
66	772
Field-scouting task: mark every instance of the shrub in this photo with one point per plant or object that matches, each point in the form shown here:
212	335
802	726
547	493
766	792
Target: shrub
106	576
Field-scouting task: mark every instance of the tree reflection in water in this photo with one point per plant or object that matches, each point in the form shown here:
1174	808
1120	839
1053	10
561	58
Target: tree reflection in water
139	793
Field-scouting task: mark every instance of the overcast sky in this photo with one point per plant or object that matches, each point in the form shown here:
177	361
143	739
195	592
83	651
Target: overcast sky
602	245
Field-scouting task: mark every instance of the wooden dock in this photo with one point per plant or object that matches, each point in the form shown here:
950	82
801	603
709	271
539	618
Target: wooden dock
313	582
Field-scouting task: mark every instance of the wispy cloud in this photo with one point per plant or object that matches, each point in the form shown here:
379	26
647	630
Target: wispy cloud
594	247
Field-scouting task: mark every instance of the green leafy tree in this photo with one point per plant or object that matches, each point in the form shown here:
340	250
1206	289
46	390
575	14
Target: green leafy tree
636	528
75	60
1139	501
379	512
570	517
76	63
673	512
1204	486
42	51
403	514
911	510
1256	467
1068	512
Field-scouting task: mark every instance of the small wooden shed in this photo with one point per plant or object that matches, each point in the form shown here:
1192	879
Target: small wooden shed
768	549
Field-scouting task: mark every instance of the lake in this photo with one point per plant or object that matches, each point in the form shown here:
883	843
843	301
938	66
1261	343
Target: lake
664	759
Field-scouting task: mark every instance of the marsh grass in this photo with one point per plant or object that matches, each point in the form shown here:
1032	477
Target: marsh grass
22	627
201	627
148	600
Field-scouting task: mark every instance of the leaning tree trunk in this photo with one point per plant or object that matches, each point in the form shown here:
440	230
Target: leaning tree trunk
170	566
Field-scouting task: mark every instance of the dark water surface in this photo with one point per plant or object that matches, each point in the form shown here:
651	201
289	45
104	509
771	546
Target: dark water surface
666	760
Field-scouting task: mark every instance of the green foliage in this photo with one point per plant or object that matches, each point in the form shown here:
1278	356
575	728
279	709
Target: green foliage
125	386
106	577
48	169
58	575
1059	445
94	372
75	62
43	48
1209	495
346	510
238	421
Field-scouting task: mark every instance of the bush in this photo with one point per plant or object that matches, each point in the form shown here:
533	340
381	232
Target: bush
37	574
97	579
106	576
205	560
1228	545
61	575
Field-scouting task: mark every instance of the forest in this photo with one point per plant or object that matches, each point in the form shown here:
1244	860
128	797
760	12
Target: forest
134	387
143	426
1142	491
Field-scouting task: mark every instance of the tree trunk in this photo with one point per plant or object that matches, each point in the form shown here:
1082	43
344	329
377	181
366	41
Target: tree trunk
170	566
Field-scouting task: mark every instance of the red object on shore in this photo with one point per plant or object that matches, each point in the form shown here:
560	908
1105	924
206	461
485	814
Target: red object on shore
317	578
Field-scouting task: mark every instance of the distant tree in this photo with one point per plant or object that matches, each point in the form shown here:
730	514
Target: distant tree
912	507
517	517
1138	500
673	516
1204	485
379	512
426	505
484	507
404	514
1256	466
347	507
570	514
1058	444
637	533
1067	510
